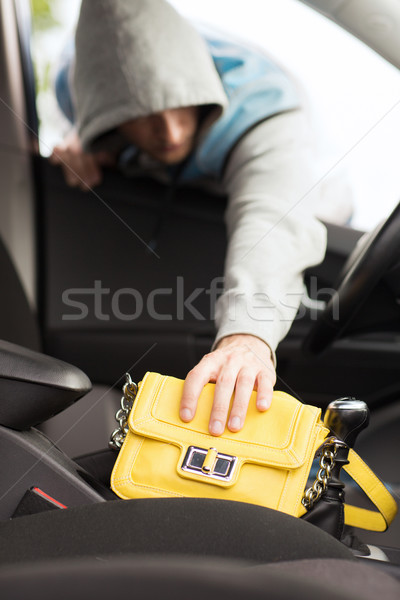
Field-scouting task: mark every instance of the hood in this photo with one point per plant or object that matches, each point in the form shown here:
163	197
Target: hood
135	58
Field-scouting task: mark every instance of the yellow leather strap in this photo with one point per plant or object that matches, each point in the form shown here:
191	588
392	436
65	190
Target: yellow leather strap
376	492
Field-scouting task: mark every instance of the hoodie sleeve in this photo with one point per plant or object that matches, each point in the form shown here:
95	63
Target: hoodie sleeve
273	235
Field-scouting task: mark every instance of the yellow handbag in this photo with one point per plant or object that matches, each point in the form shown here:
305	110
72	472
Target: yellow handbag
266	463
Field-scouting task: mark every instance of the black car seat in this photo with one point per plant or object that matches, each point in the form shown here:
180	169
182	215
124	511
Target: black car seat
195	578
166	527
180	548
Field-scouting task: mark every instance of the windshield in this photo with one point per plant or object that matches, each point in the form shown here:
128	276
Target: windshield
352	93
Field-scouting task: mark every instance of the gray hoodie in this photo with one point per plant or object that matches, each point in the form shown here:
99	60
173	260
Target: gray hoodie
130	63
135	58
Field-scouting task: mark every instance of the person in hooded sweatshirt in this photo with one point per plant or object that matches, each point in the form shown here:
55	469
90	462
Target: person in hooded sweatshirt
192	107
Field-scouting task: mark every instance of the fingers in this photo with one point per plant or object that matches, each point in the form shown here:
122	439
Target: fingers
238	368
80	169
195	380
245	384
224	388
54	158
265	388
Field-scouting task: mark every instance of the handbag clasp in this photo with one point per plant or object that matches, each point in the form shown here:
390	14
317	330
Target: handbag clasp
209	463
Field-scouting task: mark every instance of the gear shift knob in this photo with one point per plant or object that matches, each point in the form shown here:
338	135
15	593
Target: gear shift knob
346	418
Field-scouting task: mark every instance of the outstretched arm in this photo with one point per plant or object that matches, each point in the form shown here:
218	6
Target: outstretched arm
273	237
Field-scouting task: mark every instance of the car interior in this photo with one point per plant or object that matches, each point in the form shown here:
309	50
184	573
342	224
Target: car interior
73	267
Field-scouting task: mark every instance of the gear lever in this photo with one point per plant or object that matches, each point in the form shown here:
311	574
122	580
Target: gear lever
345	418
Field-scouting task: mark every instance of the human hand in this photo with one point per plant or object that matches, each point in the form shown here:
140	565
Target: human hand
240	364
81	169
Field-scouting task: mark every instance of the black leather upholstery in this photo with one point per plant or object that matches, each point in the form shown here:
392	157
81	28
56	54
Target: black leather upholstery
34	387
18	323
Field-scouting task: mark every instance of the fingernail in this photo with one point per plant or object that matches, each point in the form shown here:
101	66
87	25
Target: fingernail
263	404
186	414
235	423
216	427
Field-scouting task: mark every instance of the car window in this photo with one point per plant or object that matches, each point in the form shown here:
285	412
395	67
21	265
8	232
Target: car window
353	94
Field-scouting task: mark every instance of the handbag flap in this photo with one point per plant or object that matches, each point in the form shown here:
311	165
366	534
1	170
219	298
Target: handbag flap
278	437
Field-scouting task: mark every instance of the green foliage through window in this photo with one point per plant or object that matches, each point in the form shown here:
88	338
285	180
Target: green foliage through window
43	15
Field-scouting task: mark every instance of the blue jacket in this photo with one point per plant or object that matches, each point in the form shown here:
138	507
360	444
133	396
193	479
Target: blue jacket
256	89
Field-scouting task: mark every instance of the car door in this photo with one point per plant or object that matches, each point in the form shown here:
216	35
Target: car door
107	303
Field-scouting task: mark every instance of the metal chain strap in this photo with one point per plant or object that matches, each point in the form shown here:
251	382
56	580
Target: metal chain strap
326	463
121	416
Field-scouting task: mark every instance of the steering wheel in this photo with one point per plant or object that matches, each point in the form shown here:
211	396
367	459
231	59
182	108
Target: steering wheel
370	260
